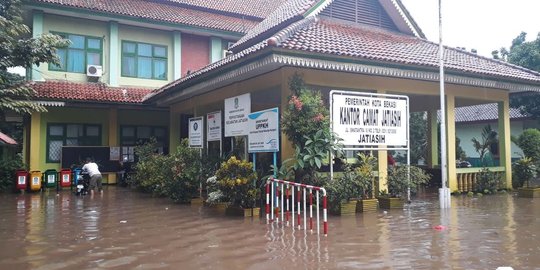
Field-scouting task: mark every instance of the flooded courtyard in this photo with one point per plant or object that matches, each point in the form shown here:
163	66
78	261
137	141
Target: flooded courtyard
125	229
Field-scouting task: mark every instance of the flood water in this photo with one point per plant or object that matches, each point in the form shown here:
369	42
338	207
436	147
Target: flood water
128	230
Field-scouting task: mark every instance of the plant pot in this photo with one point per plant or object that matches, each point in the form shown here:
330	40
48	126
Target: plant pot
529	192
346	208
390	203
242	212
197	201
367	205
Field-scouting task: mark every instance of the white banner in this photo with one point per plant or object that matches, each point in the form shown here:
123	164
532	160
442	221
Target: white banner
264	131
196	127
213	126
370	119
236	112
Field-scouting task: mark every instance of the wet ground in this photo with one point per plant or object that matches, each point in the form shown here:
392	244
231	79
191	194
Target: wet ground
128	230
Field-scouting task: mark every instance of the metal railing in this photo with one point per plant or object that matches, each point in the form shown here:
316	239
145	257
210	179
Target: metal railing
280	202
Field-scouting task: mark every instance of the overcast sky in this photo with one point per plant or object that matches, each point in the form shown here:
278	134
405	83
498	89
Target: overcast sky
485	25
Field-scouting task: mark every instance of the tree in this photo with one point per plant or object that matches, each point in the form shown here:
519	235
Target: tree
418	134
17	48
525	54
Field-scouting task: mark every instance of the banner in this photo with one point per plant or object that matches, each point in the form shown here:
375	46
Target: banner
236	112
196	127
213	126
264	131
369	119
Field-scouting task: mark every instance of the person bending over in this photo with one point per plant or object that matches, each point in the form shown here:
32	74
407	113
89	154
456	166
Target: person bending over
95	175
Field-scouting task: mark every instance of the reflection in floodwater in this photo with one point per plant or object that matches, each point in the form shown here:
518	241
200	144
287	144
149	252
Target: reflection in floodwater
126	230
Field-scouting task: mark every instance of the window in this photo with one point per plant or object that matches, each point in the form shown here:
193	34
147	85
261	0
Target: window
59	135
141	60
135	135
83	51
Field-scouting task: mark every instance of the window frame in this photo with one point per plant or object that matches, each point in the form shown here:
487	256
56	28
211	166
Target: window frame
86	50
136	55
64	137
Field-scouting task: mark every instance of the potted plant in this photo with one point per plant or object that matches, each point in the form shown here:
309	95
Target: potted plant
341	194
364	182
236	181
399	183
524	171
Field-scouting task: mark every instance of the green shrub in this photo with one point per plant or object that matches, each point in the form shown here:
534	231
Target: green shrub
523	171
175	175
8	169
236	180
487	181
398	182
529	142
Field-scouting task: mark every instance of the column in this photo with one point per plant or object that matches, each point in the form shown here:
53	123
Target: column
216	49
113	138
382	161
286	148
174	130
35	142
114	51
433	139
505	157
177	55
37	31
451	142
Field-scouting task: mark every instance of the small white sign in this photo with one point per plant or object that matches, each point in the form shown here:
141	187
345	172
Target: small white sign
264	131
213	123
236	112
50	178
65	178
362	119
35	180
22	180
196	132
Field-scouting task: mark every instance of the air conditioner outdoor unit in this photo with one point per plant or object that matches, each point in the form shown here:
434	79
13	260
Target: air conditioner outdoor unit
94	71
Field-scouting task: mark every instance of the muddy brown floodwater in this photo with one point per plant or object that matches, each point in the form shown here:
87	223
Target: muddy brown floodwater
128	230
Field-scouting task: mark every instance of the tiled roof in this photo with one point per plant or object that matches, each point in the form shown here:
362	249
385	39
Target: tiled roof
161	11
289	12
327	36
330	37
483	112
5	139
254	8
95	92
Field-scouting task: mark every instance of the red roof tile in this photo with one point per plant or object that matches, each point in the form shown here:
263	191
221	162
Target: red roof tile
161	11
254	8
329	37
95	92
5	139
332	37
283	16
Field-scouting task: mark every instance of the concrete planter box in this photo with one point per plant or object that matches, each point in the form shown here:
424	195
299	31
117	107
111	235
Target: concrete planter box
242	212
529	192
197	201
390	203
346	208
219	207
367	205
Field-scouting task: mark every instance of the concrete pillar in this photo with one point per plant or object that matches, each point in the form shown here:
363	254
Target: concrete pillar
216	49
451	141
433	139
35	142
113	138
177	55
505	156
174	130
382	161
37	31
114	52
